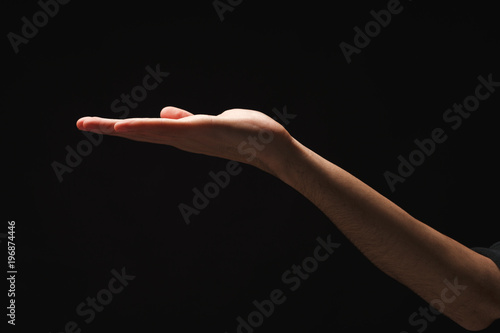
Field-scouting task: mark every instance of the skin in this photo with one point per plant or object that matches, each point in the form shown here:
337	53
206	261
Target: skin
404	248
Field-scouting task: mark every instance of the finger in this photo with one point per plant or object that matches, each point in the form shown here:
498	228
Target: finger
97	125
161	126
79	123
172	112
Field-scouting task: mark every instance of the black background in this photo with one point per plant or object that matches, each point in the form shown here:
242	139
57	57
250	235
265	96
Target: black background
119	206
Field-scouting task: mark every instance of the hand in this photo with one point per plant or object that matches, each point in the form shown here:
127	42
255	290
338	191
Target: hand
242	135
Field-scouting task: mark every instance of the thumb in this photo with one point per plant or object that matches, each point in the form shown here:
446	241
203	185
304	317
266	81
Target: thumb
172	112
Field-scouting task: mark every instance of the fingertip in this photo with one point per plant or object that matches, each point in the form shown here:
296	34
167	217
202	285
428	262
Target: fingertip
80	123
173	112
120	126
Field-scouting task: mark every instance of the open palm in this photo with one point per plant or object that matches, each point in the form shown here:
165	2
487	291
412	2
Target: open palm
238	134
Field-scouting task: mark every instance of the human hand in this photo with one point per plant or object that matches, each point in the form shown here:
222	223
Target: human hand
238	134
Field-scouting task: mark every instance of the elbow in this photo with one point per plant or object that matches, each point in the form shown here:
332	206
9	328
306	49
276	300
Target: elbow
478	318
476	324
481	305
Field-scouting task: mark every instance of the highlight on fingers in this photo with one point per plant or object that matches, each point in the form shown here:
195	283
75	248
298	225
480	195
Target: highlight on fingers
115	126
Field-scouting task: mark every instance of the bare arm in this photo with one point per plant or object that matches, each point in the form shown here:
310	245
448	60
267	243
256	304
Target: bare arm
404	248
401	246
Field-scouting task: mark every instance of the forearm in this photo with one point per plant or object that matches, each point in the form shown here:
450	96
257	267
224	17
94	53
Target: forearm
406	249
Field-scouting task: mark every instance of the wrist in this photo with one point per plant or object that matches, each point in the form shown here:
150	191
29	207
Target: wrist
290	161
